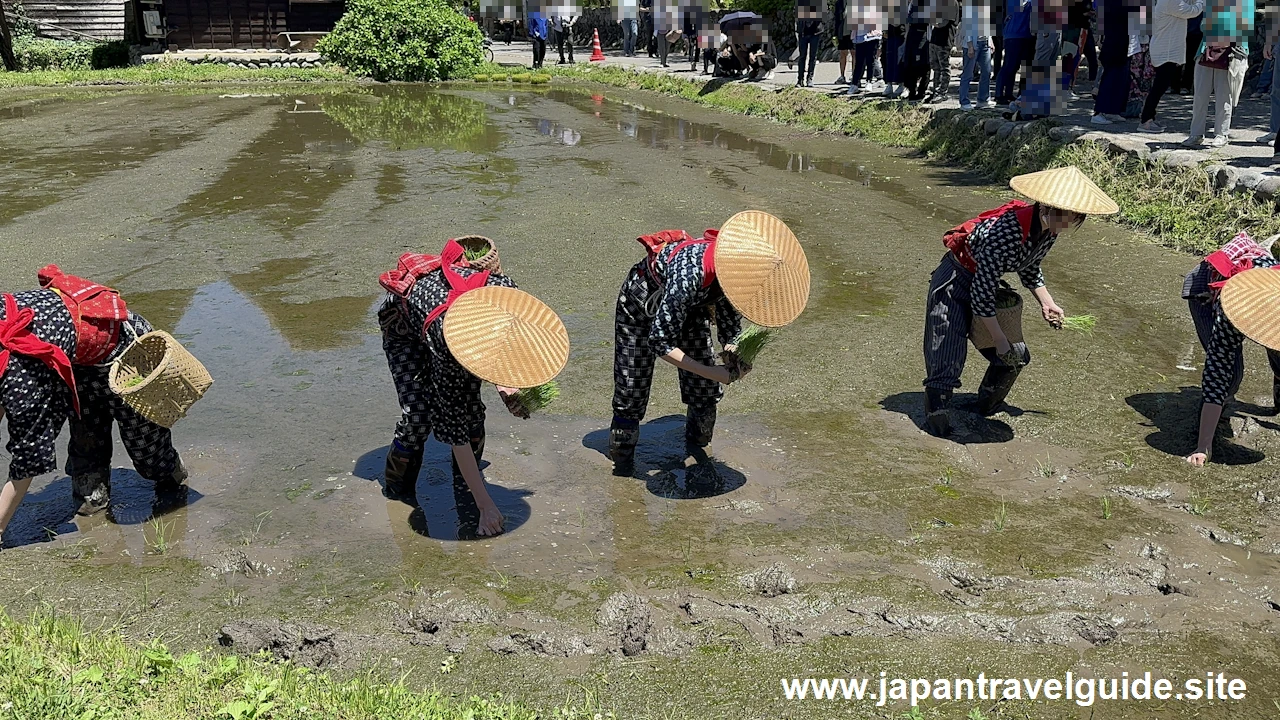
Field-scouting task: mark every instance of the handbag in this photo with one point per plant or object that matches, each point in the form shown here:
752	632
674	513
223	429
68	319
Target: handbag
673	36
1218	58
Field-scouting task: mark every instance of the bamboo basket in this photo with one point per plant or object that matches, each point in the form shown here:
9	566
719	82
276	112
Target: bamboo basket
1009	319
172	378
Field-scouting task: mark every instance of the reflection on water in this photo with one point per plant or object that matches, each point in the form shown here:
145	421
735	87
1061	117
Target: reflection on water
416	118
661	131
565	135
315	325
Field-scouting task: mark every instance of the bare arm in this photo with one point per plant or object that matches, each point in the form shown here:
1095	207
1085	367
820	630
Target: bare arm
490	517
711	372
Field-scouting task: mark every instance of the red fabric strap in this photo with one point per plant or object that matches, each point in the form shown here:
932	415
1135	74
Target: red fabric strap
670	242
15	337
411	267
97	311
458	284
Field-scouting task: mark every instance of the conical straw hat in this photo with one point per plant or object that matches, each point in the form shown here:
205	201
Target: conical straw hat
762	268
506	336
1251	301
1065	188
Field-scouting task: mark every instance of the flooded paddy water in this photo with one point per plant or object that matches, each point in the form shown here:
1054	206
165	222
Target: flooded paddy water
840	541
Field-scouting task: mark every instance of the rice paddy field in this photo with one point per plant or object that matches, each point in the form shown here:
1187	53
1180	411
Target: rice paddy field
838	540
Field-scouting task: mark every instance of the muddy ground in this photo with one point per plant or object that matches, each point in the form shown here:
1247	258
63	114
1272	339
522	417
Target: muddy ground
1064	534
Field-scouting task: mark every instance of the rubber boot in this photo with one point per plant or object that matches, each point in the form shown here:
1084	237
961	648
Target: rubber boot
175	482
92	492
1275	396
401	475
699	426
937	412
623	437
995	387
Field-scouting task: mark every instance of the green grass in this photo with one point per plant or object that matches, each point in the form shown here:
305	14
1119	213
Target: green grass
52	667
168	73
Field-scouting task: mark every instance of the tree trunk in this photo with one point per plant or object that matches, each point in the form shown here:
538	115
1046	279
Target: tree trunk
6	43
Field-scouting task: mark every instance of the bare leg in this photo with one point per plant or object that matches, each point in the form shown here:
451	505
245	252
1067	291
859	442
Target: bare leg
10	498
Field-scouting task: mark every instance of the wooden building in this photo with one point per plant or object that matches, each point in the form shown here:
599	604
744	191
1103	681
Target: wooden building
222	24
190	24
80	19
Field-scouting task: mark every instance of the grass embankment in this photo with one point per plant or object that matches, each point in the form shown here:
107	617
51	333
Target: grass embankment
1178	206
51	668
169	73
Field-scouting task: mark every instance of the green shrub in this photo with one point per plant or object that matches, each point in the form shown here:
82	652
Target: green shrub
45	54
411	40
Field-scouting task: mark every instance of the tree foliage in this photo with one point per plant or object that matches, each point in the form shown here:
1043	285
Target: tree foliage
410	40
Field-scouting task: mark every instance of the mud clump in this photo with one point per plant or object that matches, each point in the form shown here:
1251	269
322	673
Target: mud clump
628	619
312	646
448	622
543	644
772	581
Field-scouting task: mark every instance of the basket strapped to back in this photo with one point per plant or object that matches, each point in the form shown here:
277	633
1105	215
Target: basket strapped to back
414	266
172	379
666	245
97	310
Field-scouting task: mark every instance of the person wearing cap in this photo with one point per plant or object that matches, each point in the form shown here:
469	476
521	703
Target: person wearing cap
753	267
1245	308
1013	238
449	324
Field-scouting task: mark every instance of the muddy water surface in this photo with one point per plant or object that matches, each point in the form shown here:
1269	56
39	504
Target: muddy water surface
838	538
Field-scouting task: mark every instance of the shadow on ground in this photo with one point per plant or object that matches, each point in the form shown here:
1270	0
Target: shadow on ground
662	461
1176	417
437	514
51	511
967	427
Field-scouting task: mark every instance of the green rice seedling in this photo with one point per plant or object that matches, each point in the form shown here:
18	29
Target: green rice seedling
134	381
1002	517
1080	323
1006	298
751	341
481	77
1106	508
1045	469
536	398
474	253
521	77
540	79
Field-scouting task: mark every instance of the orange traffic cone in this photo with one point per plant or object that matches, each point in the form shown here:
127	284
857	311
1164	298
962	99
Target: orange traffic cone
596	54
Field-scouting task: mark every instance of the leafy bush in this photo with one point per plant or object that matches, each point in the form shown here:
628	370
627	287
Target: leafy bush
411	40
45	54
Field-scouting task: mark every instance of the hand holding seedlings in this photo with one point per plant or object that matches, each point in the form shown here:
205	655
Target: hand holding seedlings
523	403
1053	314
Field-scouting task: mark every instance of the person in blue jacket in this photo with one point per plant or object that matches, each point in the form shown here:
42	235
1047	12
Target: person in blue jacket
1018	48
538	35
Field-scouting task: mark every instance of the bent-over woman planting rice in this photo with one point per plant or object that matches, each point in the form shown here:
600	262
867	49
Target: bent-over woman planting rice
1233	294
753	266
56	347
968	299
449	323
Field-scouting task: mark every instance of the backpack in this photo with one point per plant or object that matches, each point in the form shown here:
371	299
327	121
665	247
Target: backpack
957	238
670	242
97	311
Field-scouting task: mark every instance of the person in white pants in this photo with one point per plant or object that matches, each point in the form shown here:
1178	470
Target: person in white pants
1227	26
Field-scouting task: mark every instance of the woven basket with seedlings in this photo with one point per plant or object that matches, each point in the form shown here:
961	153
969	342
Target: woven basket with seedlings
537	398
158	378
1008	316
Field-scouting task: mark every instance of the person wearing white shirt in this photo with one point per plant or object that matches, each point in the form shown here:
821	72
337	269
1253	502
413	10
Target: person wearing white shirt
1168	51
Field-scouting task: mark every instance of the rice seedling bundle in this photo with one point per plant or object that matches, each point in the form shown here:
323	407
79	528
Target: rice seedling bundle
1006	299
540	79
1080	323
751	341
481	77
536	398
475	253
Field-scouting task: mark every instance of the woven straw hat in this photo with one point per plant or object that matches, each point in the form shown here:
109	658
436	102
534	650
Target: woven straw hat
1065	188
762	268
506	336
1251	301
